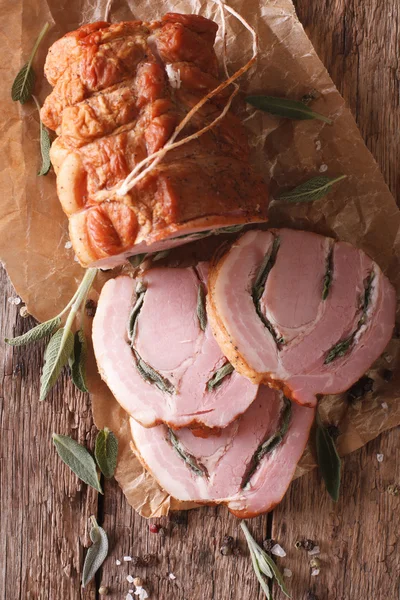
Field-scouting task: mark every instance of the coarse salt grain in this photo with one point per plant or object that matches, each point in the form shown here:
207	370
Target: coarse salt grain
316	550
385	405
277	550
323	168
174	76
17	301
318	145
130	579
117	562
127	558
287	573
76	259
379	457
172	576
141	592
315	572
68	245
130	591
129	596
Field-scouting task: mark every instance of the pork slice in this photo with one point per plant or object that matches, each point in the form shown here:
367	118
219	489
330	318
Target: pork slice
223	469
173	344
317	321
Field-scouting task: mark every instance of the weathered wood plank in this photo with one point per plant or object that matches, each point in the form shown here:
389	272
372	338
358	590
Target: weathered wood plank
44	508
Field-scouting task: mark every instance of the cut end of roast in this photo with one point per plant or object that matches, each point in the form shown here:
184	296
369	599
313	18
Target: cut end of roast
300	311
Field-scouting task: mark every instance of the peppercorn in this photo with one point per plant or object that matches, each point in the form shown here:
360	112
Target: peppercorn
103	591
226	550
154	528
361	387
298	544
236	551
136	561
268	544
138	582
90	308
333	431
315	563
393	489
387	374
311	596
228	540
308	545
149	559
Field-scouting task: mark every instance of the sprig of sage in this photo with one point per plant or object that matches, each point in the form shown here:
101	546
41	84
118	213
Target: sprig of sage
78	459
283	107
106	452
311	190
77	361
63	346
21	90
45	143
201	307
263	565
219	375
96	554
329	462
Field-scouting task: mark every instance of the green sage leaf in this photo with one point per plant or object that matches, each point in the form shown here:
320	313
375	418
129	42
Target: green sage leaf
201	307
77	361
329	462
311	190
283	107
58	351
96	554
219	376
106	452
45	144
22	87
132	322
263	564
152	376
21	90
78	459
37	333
189	459
327	282
137	259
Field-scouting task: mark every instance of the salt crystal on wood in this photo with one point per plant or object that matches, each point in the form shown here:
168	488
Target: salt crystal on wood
278	550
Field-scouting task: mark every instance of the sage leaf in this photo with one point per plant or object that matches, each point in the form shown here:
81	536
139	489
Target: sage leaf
77	361
219	376
263	564
311	190
78	459
106	452
201	307
58	351
45	144
137	259
132	322
339	349
189	459
22	87
21	90
96	554
283	107
37	333
327	281
328	459
152	376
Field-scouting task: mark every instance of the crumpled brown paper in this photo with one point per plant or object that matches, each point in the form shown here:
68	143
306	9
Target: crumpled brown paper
361	210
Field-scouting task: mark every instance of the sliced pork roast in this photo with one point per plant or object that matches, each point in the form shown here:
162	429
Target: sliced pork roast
120	90
155	350
300	311
248	466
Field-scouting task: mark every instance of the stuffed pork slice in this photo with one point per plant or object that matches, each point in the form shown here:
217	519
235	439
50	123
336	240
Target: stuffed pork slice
156	352
248	466
300	311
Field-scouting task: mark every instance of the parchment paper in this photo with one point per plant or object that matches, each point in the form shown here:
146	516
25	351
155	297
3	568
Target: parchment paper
361	210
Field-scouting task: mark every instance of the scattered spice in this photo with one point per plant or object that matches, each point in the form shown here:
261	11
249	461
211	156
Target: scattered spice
171	576
141	593
298	544
137	582
334	432
312	95
385	405
137	561
103	591
226	550
118	562
149	559
228	540
315	572
315	563
393	489
387	374
268	544
360	388
130	579
316	550
90	308
311	596
308	545
379	458
277	550
154	528
127	558
23	312
287	573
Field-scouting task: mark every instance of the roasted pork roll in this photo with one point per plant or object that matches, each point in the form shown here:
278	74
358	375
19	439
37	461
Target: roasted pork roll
120	91
155	350
300	311
248	466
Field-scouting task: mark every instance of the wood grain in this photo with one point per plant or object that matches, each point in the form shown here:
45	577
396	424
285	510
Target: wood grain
45	510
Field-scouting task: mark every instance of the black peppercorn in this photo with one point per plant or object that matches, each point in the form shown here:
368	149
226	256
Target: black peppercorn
361	387
90	308
308	545
268	544
311	596
228	540
226	550
149	559
387	374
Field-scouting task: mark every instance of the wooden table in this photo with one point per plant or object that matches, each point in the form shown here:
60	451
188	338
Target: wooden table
45	510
